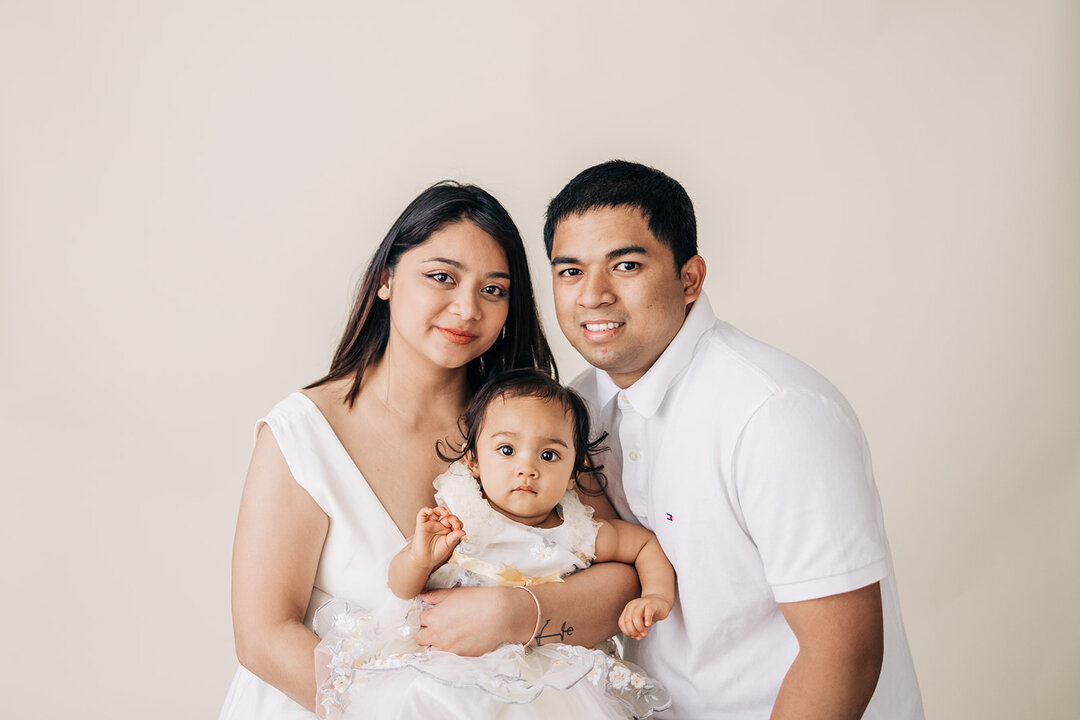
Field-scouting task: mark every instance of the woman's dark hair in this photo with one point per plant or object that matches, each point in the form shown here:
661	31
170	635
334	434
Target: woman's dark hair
522	345
533	384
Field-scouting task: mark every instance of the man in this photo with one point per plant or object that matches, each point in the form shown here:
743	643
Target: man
749	466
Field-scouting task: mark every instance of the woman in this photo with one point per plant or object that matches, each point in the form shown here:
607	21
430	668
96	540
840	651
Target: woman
339	471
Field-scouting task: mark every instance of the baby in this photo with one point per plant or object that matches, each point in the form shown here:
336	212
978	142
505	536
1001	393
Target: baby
509	515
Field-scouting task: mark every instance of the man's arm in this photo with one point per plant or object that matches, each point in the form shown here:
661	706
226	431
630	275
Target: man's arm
841	641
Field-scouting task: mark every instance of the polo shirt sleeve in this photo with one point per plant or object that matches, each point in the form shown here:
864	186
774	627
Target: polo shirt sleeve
806	492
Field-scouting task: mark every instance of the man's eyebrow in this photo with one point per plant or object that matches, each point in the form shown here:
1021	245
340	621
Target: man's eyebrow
459	266
628	250
614	254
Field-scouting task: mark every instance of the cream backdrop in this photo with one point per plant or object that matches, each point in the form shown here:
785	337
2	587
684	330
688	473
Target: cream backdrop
188	192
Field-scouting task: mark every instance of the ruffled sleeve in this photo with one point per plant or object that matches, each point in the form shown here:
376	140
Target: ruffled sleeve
580	527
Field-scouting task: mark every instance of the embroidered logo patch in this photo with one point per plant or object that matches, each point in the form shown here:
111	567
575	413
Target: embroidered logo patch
669	517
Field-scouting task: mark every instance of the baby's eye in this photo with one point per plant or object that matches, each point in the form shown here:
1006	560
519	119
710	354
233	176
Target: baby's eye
549	456
505	450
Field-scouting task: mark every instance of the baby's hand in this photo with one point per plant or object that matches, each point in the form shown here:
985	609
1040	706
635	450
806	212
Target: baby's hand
438	531
640	613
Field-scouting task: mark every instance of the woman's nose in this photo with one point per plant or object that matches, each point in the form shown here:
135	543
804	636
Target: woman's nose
465	306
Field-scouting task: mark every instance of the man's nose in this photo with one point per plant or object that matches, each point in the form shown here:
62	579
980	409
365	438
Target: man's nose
596	291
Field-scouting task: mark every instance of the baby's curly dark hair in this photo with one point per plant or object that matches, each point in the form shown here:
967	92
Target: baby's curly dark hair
529	382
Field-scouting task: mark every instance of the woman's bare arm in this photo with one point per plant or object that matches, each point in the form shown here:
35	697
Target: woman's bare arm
279	537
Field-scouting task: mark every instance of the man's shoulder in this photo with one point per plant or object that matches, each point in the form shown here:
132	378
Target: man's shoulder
731	357
585	381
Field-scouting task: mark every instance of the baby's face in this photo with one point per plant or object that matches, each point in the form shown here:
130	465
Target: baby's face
525	458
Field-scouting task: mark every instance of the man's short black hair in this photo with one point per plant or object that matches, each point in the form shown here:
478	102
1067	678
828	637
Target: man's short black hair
662	201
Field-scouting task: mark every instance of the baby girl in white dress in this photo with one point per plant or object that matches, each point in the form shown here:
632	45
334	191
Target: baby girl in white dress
508	515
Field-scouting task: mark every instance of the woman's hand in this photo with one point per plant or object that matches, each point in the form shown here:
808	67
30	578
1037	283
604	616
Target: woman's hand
438	531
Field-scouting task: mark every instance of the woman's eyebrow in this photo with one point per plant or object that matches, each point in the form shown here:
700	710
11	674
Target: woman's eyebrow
459	266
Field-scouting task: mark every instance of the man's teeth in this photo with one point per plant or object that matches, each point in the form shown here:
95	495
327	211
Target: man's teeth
600	327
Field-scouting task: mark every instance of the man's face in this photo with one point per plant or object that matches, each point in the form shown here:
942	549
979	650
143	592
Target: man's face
618	297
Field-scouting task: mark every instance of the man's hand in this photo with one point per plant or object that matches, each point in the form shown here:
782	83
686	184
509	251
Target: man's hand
640	613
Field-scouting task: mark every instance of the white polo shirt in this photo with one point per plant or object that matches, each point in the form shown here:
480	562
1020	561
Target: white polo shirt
753	472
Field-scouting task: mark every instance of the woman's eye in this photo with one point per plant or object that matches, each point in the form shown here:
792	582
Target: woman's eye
505	450
549	456
628	265
440	277
494	290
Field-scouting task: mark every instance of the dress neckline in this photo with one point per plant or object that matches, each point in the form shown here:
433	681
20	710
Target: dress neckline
329	429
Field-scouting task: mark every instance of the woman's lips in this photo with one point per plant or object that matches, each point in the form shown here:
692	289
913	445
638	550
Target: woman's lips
458	337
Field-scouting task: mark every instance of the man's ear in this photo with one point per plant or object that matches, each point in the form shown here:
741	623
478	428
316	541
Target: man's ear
692	276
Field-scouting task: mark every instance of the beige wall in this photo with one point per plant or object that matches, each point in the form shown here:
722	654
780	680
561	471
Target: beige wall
188	191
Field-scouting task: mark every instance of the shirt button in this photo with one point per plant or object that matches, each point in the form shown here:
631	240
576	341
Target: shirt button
634	455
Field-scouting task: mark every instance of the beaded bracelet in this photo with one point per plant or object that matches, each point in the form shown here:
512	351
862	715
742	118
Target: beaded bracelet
537	601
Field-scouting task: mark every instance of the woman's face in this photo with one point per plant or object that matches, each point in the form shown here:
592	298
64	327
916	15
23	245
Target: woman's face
449	297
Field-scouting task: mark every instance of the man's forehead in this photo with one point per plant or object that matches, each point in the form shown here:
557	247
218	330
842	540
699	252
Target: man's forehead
604	233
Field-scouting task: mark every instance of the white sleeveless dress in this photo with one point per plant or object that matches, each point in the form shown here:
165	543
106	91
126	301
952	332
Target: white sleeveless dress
369	665
359	543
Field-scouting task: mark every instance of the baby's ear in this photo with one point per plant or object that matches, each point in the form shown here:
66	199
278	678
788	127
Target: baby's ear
474	467
573	481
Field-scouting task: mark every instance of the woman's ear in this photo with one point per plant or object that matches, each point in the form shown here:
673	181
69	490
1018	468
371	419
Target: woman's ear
384	286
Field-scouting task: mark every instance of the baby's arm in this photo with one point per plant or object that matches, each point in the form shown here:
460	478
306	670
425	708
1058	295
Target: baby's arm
629	543
437	534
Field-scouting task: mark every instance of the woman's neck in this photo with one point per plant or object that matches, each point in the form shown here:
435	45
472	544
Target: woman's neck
417	396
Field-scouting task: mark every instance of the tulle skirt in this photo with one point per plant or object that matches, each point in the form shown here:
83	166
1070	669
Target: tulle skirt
368	665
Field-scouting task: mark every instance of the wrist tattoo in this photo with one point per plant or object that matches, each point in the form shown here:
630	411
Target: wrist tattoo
558	635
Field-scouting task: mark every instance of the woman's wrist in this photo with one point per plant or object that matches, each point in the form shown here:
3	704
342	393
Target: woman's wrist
539	613
519	614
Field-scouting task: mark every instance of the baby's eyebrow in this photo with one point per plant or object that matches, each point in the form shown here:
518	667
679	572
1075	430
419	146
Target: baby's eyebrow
513	435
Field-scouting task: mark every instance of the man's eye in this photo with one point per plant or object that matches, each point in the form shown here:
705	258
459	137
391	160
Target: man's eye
569	272
628	265
549	456
505	450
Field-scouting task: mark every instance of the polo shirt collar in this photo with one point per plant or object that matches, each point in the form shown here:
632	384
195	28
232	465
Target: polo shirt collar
649	391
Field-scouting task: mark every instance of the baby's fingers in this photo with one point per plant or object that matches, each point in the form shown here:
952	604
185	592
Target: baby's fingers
631	622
